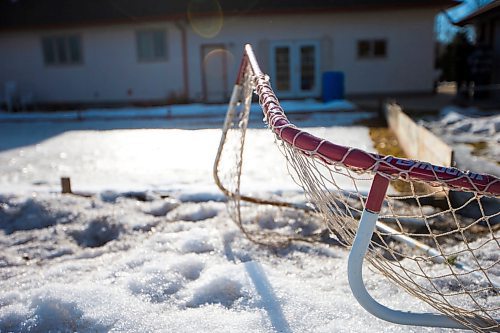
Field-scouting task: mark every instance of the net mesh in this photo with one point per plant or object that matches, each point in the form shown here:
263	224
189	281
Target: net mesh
439	243
252	214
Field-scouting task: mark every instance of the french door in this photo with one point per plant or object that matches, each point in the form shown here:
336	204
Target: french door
295	68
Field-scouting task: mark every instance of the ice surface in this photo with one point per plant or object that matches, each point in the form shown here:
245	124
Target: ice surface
174	161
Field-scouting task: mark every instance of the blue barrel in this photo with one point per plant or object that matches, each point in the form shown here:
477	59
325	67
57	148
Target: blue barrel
333	86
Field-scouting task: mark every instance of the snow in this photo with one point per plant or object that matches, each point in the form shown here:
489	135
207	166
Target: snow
188	271
463	128
152	247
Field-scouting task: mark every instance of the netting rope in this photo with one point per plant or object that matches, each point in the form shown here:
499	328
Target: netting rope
446	256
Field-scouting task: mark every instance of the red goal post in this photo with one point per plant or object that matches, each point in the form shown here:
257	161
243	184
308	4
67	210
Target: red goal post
355	158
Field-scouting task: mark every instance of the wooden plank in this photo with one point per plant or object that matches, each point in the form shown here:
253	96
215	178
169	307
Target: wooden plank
420	144
432	149
417	142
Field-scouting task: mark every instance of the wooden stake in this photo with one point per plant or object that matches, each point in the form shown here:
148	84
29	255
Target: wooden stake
66	185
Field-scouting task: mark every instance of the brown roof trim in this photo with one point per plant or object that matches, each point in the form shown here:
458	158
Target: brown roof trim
95	23
401	5
438	4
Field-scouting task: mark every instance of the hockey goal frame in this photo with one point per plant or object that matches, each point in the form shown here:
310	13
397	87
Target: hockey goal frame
384	168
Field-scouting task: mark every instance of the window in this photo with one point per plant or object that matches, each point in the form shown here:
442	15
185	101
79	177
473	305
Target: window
151	45
376	48
62	50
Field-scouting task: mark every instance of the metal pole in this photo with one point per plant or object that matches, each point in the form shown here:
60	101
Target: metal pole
367	225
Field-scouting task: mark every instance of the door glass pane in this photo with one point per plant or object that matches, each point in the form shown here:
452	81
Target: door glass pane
307	68
282	62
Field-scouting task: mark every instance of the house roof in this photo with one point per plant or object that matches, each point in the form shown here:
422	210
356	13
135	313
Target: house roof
489	11
30	14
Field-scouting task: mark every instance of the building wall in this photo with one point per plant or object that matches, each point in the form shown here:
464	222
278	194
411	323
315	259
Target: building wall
409	66
111	72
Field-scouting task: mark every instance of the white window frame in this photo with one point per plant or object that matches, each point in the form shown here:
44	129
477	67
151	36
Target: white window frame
60	49
151	55
294	46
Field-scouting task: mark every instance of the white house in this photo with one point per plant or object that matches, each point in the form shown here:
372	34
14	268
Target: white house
74	52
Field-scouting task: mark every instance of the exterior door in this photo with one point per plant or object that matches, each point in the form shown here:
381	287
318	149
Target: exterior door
295	68
214	73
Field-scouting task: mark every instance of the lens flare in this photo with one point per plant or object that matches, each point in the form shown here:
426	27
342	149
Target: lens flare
217	62
205	17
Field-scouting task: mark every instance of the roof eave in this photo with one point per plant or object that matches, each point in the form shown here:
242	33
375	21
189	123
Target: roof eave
438	4
478	14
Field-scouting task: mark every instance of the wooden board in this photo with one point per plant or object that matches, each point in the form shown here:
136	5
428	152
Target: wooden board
416	141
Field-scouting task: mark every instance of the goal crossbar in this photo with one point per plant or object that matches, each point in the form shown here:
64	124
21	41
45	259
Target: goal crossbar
356	158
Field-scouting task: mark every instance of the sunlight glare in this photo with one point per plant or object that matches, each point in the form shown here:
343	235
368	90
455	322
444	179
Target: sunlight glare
205	17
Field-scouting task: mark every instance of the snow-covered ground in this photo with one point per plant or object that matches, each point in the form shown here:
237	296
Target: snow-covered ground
153	249
474	136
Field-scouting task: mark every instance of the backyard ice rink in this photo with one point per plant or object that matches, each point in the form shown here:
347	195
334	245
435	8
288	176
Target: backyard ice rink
111	262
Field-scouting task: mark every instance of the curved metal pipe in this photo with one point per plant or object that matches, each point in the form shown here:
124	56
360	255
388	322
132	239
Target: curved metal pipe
355	275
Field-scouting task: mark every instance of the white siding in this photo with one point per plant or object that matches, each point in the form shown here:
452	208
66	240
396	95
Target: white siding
110	67
110	71
409	66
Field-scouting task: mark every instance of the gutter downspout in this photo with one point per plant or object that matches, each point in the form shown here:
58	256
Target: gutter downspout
181	25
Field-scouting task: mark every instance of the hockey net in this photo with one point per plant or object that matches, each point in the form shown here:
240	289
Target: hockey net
443	251
247	211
